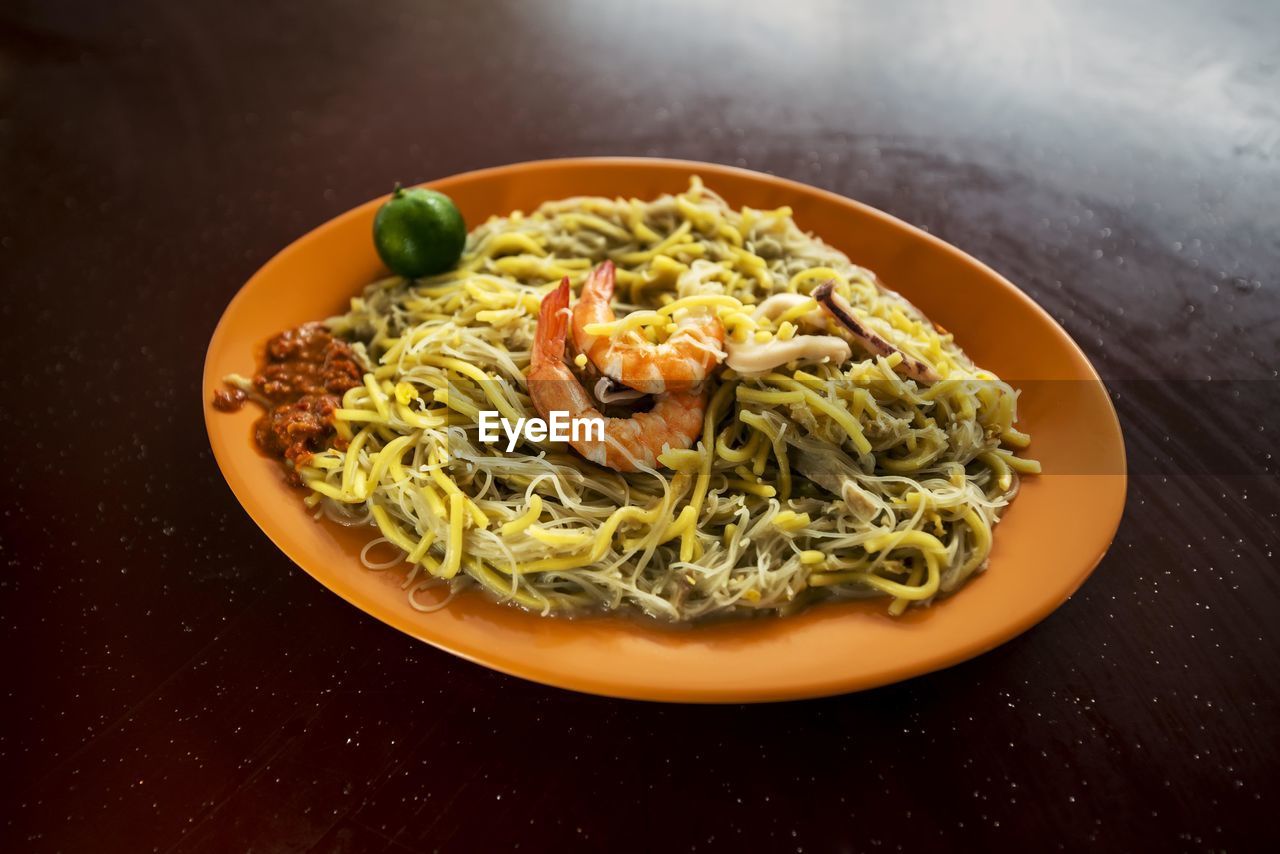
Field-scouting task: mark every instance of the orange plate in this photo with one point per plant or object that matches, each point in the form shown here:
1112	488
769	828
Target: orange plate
1051	538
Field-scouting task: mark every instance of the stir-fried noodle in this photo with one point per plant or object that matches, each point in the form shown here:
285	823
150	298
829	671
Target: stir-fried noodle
874	460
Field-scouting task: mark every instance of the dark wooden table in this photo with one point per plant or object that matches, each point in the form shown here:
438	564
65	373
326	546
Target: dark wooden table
174	683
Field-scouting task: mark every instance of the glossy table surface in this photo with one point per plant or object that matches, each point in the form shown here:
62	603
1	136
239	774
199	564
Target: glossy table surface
173	683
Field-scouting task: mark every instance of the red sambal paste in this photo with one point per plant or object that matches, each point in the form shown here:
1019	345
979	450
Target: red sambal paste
303	377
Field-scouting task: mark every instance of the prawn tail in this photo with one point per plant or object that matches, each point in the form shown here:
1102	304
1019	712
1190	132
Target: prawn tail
553	324
600	283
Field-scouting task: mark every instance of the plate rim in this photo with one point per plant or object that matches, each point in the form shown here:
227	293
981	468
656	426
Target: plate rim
823	687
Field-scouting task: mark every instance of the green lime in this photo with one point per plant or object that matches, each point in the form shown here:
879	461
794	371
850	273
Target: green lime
419	232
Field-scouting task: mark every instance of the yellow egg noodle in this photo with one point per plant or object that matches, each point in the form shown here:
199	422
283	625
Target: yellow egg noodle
840	480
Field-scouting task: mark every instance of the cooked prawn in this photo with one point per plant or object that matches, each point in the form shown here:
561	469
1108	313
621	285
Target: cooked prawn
674	421
680	362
